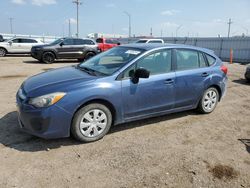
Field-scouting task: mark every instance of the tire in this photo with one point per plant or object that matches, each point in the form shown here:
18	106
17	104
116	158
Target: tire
89	55
86	127
48	57
2	52
209	100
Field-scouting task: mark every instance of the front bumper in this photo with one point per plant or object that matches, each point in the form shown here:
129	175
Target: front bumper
49	123
36	54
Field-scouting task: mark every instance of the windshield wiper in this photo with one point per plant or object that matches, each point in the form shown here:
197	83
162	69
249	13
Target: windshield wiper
87	70
91	71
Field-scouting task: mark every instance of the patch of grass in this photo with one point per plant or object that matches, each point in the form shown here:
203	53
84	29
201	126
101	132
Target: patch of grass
223	171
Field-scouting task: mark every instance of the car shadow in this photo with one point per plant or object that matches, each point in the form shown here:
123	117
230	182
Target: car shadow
241	81
246	142
57	61
17	55
11	136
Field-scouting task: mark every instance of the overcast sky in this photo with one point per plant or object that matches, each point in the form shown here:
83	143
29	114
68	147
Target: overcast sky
192	17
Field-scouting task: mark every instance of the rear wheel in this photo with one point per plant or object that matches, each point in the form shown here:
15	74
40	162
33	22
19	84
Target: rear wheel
2	52
91	122
209	100
48	57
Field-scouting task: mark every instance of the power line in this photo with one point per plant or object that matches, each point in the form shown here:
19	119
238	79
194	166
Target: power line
77	2
229	27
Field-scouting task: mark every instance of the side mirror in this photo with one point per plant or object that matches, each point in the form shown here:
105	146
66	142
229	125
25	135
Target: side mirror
10	42
118	43
61	44
140	73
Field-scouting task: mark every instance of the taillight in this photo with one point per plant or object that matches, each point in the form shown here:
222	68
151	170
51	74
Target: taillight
223	68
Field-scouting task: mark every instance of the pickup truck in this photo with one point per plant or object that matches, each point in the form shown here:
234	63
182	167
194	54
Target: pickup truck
105	44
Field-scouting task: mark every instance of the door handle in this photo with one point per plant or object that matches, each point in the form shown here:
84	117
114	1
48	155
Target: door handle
204	74
169	81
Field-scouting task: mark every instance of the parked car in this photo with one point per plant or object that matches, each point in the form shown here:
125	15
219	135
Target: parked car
105	44
18	45
1	38
65	48
123	84
150	41
247	74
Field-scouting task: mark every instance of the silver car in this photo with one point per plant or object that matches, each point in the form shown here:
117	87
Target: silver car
18	45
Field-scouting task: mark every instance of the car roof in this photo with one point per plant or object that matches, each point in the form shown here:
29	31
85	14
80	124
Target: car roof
151	46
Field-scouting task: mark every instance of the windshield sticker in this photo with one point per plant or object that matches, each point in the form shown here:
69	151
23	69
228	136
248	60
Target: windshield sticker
133	52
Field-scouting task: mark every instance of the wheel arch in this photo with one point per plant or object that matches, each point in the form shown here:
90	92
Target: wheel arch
104	102
4	49
218	89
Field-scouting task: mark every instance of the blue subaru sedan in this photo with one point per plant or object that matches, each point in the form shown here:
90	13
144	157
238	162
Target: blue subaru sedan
124	84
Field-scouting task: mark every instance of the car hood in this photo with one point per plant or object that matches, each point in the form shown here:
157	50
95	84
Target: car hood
42	45
57	80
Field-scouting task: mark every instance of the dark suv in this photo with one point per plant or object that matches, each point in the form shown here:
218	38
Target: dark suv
65	48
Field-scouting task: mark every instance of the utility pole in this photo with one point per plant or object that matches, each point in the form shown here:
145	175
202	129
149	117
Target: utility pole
151	31
229	27
129	23
69	29
77	2
11	28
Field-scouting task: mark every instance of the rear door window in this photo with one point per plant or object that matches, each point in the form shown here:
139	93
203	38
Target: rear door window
28	41
187	59
68	42
155	41
211	60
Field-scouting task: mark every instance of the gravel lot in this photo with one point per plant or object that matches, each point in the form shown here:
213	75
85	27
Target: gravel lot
179	150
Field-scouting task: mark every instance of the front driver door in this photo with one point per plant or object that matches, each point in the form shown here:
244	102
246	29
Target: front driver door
67	49
151	95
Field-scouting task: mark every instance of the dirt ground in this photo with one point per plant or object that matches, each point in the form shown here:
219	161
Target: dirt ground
179	150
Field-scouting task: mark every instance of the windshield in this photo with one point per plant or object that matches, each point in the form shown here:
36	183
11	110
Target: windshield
57	41
112	60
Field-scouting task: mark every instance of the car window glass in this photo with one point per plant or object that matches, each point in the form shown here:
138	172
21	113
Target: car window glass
28	41
187	59
99	40
68	42
157	63
210	59
202	60
79	42
154	41
16	41
141	41
88	42
108	41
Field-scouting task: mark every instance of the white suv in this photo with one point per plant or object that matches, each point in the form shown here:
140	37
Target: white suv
18	45
150	41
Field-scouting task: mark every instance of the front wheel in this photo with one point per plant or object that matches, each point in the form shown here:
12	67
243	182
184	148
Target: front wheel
48	57
89	55
2	52
209	100
91	123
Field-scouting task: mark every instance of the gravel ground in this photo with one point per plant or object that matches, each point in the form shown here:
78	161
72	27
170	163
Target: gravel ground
179	150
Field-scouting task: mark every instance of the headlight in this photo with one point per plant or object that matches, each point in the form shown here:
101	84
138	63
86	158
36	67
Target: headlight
46	100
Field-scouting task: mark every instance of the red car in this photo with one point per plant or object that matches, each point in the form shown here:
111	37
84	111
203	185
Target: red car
105	44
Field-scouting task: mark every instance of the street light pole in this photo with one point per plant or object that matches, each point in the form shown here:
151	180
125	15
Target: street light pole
129	22
77	2
11	28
